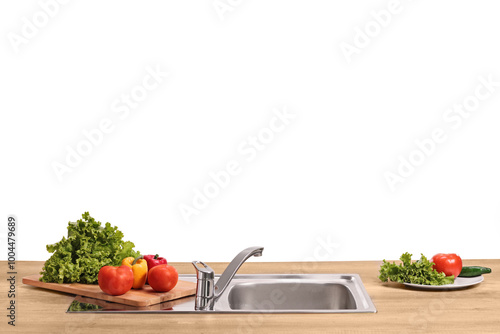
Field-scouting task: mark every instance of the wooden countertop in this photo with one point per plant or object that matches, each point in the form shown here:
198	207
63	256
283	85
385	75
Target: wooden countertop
399	309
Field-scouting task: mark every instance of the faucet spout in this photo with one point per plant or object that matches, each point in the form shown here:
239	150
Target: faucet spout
206	292
233	267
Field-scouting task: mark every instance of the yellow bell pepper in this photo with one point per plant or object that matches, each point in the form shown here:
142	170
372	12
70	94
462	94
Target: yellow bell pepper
139	268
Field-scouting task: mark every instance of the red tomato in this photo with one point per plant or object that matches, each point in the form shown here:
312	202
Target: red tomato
115	280
449	264
163	277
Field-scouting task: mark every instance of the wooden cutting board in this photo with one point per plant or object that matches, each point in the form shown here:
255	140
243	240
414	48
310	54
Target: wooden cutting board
143	297
165	306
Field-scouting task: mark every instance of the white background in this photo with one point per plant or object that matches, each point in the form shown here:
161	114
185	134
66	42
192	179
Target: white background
321	180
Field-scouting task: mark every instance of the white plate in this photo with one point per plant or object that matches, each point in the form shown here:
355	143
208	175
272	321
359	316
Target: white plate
460	283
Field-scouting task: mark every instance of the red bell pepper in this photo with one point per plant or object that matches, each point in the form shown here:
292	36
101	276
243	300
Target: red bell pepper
154	260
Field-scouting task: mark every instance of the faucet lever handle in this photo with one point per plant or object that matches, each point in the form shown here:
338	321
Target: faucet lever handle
203	272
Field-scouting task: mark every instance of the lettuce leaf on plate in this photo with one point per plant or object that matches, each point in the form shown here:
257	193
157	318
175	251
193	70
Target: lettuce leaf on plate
418	272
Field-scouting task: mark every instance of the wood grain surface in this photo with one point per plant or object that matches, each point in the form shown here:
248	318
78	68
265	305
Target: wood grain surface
399	309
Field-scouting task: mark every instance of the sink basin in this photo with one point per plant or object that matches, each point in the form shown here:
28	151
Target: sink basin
264	293
305	293
290	296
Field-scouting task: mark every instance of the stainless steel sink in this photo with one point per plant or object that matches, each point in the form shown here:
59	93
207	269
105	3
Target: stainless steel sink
306	293
289	296
267	293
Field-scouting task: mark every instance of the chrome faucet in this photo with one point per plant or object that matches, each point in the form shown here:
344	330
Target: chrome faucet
206	292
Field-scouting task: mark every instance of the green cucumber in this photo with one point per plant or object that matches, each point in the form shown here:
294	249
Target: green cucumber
473	271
